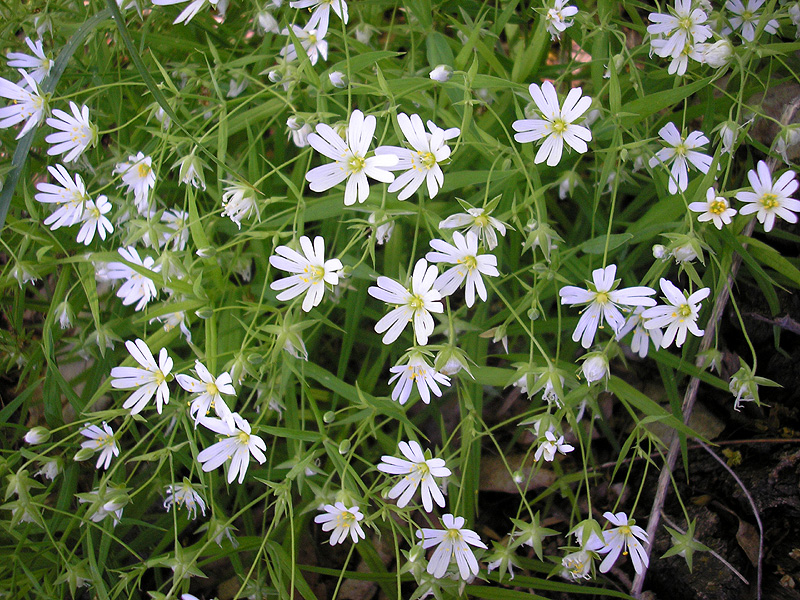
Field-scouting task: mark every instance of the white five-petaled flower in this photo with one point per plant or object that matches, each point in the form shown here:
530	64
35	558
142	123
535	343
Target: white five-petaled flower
137	288
184	494
40	63
469	266
479	222
556	124
625	538
680	150
550	445
342	521
685	29
27	104
414	305
311	41
557	18
188	13
421	163
138	175
640	343
239	202
451	541
416	370
322	13
209	390
715	208
351	163
678	315
311	270
603	303
149	381
76	132
102	440
95	220
747	17
237	445
70	198
769	200
416	470
441	73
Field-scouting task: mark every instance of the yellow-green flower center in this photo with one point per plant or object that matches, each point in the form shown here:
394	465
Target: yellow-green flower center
453	535
244	438
427	159
718	207
212	389
602	298
560	126
345	519
356	163
769	201
685	23
685	310
416	302
471	262
481	220
143	170
315	273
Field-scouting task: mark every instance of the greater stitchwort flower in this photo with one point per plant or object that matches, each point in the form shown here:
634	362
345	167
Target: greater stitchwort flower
421	164
138	175
209	390
40	63
342	521
769	200
76	132
550	445
95	220
238	444
416	471
640	343
311	41
625	538
27	104
556	125
680	151
414	305
558	19
137	288
715	209
351	163
469	266
101	440
747	17
451	542
603	303
320	17
184	494
416	370
70	198
311	270
190	11
149	381
479	221
678	315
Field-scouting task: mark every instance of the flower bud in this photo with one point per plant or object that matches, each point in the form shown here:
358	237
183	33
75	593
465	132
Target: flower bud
441	73
718	54
37	435
595	367
659	251
338	79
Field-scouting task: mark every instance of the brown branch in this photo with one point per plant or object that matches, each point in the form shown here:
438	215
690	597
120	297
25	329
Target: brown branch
690	396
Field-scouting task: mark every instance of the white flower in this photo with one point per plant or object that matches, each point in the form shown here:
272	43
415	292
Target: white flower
102	440
577	565
603	302
50	468
190	11
770	200
137	287
728	132
718	54
422	163
350	156
441	73
70	197
451	541
416	470
342	521
479	222
149	381
312	43
679	150
95	221
678	315
416	370
469	266
624	538
236	87
550	445
38	435
298	131
176	221
105	502
26	104
557	18
383	228
172	319
640	343
311	270
747	17
595	367
684	28
190	171
322	13
209	390
556	125
794	15
414	305
76	132
237	445
138	175
184	494
239	202
338	79
40	62
715	208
